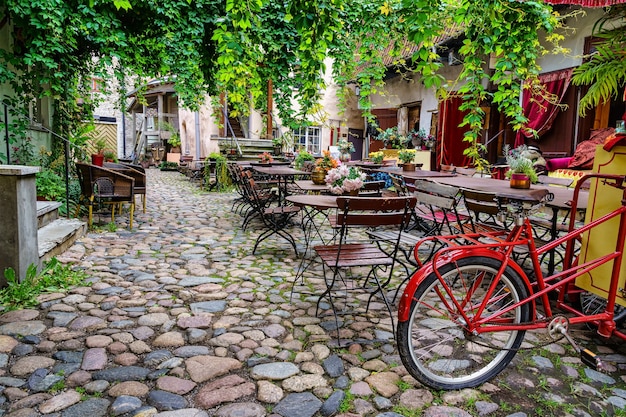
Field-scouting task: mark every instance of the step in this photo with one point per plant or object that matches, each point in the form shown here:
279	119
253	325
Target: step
57	236
47	212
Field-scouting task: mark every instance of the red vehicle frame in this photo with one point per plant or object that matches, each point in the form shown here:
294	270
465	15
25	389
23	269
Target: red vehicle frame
475	290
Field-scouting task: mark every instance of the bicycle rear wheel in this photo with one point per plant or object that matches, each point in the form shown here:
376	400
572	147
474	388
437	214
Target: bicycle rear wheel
435	345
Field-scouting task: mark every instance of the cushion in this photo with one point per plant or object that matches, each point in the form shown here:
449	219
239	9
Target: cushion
557	163
585	151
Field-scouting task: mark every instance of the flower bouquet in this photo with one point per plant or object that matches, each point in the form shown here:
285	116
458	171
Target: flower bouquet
377	157
344	179
326	162
266	158
345	146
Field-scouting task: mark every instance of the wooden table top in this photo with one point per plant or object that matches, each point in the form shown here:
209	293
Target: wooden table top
417	174
308	185
562	196
320	202
281	170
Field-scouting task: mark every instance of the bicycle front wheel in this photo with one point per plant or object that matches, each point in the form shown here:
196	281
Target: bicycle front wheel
434	343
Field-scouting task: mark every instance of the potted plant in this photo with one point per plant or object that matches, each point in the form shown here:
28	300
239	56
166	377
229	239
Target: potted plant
50	186
377	157
278	145
345	148
303	160
174	142
322	166
98	157
266	158
392	139
521	170
407	156
110	155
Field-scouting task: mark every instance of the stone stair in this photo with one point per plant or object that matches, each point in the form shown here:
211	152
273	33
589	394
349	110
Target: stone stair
251	148
55	234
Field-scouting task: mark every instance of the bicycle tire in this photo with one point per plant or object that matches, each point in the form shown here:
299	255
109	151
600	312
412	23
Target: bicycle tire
453	358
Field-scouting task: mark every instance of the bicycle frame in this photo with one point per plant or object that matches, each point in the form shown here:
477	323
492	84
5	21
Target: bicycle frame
501	246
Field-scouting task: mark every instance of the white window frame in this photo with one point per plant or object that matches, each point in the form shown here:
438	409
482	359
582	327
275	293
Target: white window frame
309	137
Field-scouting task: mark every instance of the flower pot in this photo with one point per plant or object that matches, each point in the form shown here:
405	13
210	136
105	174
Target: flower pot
278	150
318	177
353	193
97	159
520	181
344	157
408	167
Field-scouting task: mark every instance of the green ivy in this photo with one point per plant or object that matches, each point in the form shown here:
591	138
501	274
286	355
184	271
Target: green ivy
234	47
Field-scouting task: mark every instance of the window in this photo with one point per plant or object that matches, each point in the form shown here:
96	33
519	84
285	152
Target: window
309	138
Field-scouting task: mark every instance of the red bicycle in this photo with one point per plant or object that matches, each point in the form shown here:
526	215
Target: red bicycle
464	314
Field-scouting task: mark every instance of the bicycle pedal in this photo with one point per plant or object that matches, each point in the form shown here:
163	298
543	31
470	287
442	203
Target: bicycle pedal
591	360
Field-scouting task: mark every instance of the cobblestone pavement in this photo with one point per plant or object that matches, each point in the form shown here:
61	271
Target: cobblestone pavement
182	320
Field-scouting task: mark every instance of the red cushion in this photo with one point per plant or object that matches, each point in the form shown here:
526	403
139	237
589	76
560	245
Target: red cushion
557	163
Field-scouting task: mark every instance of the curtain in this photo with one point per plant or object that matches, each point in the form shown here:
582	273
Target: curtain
541	113
450	135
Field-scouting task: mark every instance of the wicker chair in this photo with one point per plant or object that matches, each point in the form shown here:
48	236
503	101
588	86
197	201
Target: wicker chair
105	186
137	172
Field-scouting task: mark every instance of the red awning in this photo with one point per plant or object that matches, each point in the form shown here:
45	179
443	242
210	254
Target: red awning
588	3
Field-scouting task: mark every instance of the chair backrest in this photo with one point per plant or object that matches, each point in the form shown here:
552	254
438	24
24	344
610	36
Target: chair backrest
440	198
399	185
375	211
372	189
122	185
483	208
563	182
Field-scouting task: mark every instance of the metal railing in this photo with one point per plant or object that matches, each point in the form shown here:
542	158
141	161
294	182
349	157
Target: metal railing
66	144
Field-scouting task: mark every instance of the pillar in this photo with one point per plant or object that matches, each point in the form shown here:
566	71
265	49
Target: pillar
18	228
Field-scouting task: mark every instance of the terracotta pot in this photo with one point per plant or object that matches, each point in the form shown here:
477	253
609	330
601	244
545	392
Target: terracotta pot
408	167
520	181
97	159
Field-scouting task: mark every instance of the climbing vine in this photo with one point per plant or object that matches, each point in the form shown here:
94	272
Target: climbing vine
235	47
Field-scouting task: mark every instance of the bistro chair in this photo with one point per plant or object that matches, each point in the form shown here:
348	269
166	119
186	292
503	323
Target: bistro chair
275	219
339	258
101	185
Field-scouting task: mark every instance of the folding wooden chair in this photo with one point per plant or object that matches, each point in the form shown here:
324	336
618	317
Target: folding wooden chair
347	253
275	219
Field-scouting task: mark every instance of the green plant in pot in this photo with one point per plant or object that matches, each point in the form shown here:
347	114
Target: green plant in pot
50	186
521	170
301	160
278	145
98	157
110	155
407	156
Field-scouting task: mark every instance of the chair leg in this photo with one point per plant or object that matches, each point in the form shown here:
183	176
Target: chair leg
143	198
132	213
90	218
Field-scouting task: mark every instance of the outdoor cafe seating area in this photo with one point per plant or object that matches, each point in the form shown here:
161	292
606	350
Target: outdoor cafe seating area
365	242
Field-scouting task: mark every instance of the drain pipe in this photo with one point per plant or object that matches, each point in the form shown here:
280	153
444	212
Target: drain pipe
197	120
